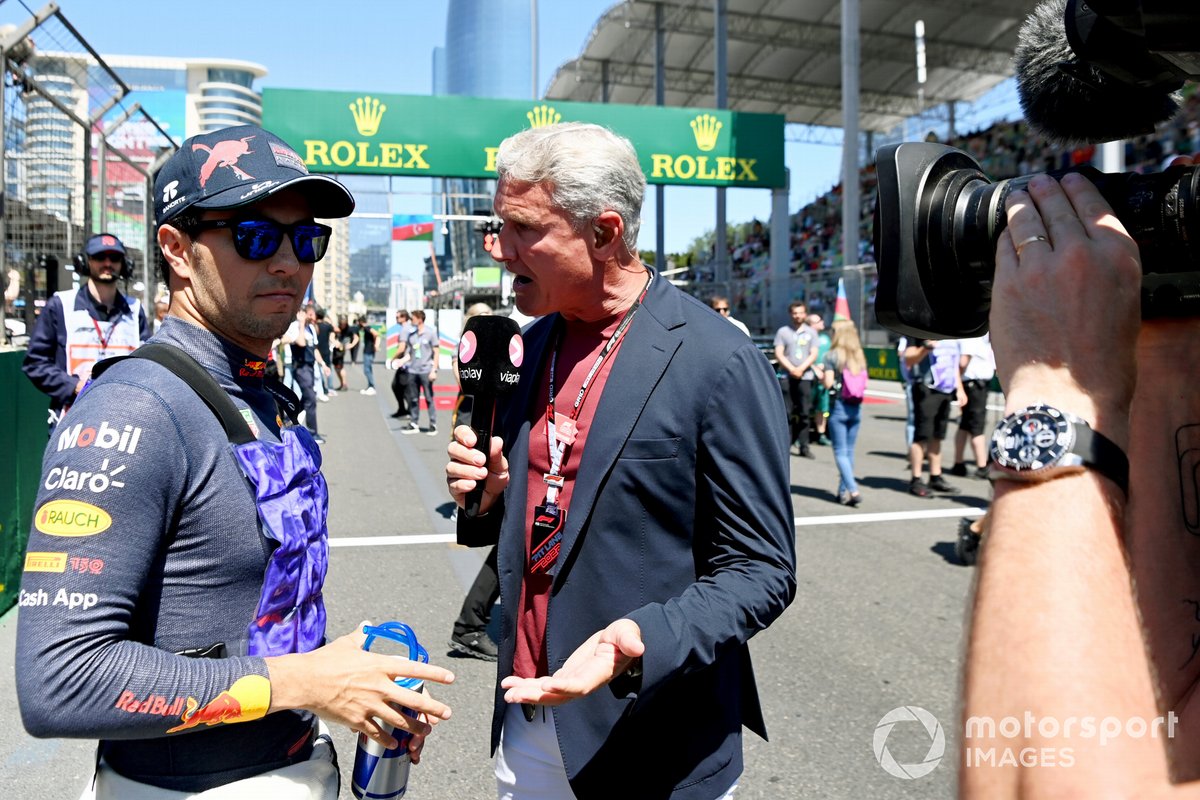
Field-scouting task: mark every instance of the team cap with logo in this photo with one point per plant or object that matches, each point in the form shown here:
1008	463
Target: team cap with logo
104	243
237	166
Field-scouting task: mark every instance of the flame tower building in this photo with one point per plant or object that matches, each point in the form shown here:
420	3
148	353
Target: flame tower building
472	65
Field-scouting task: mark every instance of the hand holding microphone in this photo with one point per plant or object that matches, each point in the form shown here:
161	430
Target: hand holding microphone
489	355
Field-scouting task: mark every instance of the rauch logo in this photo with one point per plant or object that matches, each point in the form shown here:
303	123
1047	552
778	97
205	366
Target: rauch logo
71	518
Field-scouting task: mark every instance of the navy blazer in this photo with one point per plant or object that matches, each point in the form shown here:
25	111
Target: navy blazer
681	520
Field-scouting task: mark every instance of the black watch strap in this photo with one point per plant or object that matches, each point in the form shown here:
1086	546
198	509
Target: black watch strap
1103	455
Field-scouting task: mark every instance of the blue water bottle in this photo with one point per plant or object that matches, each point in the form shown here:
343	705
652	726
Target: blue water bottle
381	773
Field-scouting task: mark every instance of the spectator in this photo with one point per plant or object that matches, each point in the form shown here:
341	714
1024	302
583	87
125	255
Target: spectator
820	392
347	340
935	383
370	338
324	337
796	352
399	363
301	337
423	350
845	376
720	304
977	367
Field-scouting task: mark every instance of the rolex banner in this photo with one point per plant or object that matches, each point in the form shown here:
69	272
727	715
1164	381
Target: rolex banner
444	136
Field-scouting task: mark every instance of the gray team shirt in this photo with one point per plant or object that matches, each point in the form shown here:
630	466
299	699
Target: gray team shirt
798	344
423	347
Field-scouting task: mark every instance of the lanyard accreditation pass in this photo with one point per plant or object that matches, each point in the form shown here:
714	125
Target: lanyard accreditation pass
546	539
105	339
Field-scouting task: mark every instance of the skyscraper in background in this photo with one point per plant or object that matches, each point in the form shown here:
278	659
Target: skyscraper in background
488	49
488	53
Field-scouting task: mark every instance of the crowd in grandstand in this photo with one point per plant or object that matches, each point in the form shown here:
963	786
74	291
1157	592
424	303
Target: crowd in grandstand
1004	150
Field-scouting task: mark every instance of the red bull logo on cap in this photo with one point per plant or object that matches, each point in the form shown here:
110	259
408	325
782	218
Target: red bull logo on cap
224	154
247	699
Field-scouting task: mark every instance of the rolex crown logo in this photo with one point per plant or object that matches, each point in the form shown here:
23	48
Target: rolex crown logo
541	116
706	128
368	113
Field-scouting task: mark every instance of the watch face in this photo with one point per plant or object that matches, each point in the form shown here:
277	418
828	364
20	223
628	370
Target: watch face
1032	439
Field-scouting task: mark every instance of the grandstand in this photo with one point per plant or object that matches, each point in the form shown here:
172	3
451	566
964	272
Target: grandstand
1004	150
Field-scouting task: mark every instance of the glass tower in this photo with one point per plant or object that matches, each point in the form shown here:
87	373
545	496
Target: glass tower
488	53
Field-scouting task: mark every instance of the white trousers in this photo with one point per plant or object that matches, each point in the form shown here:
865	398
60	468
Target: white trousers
529	765
314	779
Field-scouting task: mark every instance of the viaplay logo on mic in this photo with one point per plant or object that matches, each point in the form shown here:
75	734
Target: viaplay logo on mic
490	354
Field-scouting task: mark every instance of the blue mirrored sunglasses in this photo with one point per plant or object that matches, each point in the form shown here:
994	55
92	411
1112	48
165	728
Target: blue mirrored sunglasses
258	239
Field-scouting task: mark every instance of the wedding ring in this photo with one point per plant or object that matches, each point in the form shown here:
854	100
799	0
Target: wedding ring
1030	240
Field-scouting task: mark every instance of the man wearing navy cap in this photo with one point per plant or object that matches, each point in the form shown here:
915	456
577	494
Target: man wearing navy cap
194	597
79	327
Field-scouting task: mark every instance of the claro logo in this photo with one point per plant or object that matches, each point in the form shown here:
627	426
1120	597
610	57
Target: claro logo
71	518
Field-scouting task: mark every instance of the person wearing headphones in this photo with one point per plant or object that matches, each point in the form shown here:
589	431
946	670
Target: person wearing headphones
79	327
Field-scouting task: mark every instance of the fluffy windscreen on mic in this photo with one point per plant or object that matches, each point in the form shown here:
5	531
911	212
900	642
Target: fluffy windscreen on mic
1068	100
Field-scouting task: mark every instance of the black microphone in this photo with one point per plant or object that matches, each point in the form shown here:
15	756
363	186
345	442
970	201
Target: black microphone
1105	87
489	354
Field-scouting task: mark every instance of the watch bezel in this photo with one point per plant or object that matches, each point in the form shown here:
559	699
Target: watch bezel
1036	457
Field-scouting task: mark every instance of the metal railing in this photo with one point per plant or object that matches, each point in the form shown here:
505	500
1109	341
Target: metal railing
75	159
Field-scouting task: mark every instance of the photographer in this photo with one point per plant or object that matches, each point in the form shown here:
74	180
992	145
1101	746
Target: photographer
1058	632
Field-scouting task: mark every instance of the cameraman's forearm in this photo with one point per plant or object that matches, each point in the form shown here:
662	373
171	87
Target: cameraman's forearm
1161	521
1054	634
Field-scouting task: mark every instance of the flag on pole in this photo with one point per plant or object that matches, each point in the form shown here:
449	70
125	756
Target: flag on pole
412	228
841	308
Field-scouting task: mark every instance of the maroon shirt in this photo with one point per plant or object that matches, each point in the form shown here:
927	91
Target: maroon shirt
578	346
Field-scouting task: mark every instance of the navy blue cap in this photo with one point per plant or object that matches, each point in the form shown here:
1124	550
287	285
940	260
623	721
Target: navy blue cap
236	167
104	243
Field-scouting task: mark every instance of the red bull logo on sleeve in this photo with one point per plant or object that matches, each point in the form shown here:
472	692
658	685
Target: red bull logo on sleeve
247	699
155	704
71	518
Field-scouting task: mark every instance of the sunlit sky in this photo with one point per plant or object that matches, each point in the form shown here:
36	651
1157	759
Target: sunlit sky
386	46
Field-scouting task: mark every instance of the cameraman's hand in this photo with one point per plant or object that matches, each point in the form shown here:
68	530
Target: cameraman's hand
1066	308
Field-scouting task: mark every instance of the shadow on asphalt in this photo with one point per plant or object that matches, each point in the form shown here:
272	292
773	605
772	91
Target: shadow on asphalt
446	509
946	551
901	485
813	492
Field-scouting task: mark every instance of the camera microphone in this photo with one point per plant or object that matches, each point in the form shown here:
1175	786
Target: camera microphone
489	354
1081	78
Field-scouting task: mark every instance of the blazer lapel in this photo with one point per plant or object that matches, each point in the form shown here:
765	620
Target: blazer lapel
649	344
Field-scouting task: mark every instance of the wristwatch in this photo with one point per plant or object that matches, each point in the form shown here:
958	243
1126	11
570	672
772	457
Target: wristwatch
1040	442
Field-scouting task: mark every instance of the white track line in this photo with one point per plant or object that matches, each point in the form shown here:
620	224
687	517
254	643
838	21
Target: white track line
368	541
800	522
890	516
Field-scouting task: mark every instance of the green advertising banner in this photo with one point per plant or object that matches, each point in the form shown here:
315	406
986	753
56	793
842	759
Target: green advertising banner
444	136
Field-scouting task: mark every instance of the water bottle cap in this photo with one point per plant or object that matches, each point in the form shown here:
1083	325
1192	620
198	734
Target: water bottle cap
401	633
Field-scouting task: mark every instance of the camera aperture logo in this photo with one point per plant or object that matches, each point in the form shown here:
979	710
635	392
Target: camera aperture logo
937	743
